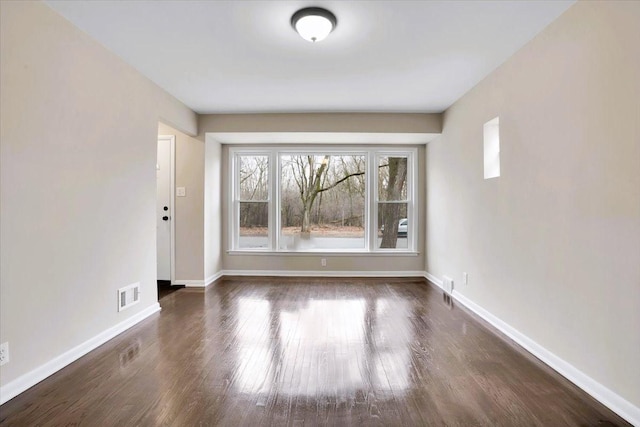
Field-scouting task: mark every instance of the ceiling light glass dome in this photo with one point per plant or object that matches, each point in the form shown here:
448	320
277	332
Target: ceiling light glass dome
313	23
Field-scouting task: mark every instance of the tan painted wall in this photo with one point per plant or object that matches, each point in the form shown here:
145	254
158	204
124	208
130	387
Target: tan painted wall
189	210
213	210
321	122
311	262
552	247
78	151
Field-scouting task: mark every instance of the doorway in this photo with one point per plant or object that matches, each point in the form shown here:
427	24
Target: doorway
165	210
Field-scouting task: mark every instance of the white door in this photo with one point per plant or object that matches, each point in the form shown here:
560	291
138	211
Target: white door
164	208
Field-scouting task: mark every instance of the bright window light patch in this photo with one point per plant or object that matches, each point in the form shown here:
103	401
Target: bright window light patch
492	148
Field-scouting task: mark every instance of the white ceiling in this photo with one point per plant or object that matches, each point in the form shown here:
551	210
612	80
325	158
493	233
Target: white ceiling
243	56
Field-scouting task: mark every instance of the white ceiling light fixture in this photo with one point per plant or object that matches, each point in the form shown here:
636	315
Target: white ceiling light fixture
313	23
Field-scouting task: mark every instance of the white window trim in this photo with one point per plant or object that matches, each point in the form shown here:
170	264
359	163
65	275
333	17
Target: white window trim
412	206
371	209
234	205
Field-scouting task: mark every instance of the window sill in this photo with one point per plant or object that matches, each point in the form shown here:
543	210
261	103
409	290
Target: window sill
325	253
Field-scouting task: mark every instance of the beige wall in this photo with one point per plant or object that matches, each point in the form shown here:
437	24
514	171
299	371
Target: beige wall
189	210
213	211
311	262
78	151
552	247
321	122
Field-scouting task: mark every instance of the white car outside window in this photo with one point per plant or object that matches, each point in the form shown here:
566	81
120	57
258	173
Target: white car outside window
403	227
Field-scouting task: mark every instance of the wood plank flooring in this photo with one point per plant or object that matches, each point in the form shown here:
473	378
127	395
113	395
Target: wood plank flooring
301	351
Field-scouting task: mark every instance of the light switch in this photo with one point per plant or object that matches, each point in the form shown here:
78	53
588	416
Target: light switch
181	191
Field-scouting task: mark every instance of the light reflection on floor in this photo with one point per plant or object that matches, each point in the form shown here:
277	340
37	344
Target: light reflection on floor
358	347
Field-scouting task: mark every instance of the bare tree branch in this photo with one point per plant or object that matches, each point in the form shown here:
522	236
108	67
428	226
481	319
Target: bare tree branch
340	181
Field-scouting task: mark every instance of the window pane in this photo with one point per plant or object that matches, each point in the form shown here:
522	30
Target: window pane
322	202
254	178
254	225
492	148
393	226
392	178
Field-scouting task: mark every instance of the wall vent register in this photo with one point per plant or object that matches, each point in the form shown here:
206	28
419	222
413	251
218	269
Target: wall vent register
128	296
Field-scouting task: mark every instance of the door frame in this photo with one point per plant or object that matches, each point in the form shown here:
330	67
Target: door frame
172	210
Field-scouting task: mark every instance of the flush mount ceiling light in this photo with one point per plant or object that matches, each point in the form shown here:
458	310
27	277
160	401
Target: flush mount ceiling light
313	23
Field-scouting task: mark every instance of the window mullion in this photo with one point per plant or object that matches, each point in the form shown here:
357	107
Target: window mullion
372	192
234	212
274	223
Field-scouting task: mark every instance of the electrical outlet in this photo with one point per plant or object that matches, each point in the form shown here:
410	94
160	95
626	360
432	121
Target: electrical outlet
323	262
465	278
4	353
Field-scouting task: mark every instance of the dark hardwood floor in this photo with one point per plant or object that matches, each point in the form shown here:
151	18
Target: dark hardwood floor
275	351
166	288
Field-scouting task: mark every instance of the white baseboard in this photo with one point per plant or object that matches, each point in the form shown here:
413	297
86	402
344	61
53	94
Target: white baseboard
607	397
433	279
199	283
322	273
28	380
190	283
209	280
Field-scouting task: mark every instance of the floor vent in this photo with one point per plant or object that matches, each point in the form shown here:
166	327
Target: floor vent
447	284
128	296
